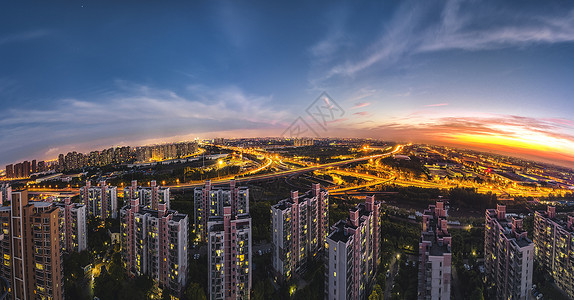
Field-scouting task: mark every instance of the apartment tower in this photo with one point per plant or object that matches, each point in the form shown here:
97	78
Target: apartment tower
554	247
508	255
435	257
353	253
300	225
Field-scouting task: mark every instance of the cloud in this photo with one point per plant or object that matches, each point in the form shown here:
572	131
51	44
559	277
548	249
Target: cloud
361	104
437	104
418	27
135	113
547	139
25	36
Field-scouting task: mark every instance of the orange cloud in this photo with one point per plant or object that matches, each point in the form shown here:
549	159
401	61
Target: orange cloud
549	140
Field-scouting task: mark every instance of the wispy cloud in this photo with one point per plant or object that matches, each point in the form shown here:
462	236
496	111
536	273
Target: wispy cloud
136	113
437	104
418	27
550	139
361	104
25	36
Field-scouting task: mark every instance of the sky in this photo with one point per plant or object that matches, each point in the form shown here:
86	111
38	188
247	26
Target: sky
86	75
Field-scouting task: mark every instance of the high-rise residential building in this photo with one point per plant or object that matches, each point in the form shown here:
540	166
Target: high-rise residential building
10	171
75	225
299	229
5	193
353	253
149	197
25	169
18	170
554	247
32	249
508	255
155	243
100	200
435	257
229	250
209	202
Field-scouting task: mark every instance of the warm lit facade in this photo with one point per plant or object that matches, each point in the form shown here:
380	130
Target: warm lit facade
149	197
299	229
554	247
229	252
435	257
100	200
209	202
353	253
155	243
508	255
32	248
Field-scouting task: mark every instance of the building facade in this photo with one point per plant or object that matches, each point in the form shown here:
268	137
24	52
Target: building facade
75	226
149	197
353	253
155	243
5	193
508	255
209	202
554	247
101	201
435	257
229	245
299	229
32	249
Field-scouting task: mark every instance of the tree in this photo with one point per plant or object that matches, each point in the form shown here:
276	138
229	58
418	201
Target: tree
377	293
194	292
477	294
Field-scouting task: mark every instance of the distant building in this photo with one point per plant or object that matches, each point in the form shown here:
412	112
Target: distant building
100	200
10	171
301	142
435	257
353	253
229	249
149	197
154	243
300	225
508	255
209	202
554	247
32	248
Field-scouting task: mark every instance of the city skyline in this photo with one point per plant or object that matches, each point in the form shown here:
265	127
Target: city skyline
86	76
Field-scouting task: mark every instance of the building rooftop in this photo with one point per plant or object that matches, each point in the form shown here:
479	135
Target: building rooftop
338	234
178	217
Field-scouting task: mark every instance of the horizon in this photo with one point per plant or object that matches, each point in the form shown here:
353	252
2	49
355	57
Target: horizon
491	77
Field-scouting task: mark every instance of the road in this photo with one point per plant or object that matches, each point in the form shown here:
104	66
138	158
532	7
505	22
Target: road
393	268
275	175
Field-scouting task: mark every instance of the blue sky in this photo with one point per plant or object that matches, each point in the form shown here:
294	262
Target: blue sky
85	75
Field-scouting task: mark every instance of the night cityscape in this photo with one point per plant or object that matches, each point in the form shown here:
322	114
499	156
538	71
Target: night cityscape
287	150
